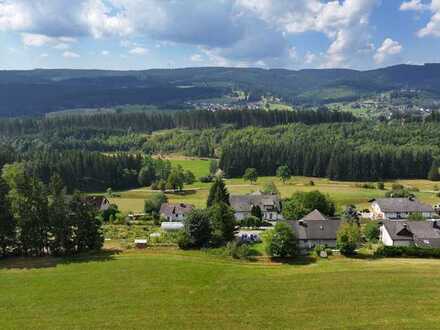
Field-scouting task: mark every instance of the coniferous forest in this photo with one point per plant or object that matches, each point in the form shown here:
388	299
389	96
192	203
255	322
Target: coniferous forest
92	152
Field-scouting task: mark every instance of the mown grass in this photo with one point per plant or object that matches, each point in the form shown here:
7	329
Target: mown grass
343	193
162	289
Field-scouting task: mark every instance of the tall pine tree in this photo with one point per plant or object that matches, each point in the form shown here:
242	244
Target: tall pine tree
218	193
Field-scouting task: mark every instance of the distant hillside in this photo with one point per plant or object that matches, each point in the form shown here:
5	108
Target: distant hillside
41	91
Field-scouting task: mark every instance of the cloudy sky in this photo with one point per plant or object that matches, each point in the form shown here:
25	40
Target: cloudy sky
141	34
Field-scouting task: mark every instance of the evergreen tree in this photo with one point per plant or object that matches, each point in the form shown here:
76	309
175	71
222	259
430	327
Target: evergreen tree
434	174
218	193
88	233
256	212
7	222
223	221
61	228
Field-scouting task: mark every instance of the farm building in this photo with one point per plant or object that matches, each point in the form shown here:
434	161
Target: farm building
410	233
315	229
175	212
400	208
270	206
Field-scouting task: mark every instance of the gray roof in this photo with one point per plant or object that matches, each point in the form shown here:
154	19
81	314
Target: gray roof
316	229
423	233
244	203
314	215
170	209
402	205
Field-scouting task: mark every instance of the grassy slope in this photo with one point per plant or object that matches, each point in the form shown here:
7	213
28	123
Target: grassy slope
343	193
191	290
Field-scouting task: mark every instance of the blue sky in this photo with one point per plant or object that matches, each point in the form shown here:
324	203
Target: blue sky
142	34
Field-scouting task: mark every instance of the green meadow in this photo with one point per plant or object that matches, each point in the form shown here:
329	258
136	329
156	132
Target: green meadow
171	289
342	192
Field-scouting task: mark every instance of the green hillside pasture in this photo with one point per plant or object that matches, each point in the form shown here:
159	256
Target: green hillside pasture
343	193
191	290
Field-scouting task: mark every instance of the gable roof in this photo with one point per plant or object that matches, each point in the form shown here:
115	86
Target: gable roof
96	201
314	215
424	233
170	209
402	205
244	203
316	229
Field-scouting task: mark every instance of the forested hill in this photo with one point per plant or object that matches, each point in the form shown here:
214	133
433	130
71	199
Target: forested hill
41	91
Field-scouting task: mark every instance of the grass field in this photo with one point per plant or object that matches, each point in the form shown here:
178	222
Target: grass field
343	193
162	289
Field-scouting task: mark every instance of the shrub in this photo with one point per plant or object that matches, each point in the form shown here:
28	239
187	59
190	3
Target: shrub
371	231
251	222
238	251
281	241
347	238
397	186
206	179
318	249
184	241
380	186
407	251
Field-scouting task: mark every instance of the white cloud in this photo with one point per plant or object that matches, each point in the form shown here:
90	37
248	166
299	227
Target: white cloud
39	40
415	5
44	55
234	31
309	58
14	16
35	40
433	26
388	49
105	52
138	51
62	46
69	54
196	58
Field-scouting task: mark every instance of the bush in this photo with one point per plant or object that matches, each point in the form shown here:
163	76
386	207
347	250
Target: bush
371	231
407	251
380	186
238	251
251	222
206	179
318	249
184	241
281	241
347	238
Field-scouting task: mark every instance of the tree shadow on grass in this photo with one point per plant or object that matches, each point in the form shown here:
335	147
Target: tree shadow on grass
182	192
49	261
299	261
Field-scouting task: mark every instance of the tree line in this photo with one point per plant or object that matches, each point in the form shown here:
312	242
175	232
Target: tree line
341	152
38	219
156	120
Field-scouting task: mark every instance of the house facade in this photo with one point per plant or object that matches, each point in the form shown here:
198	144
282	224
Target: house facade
400	209
175	212
410	233
270	206
315	229
100	203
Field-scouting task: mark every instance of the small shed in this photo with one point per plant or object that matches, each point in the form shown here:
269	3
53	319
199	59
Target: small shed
140	243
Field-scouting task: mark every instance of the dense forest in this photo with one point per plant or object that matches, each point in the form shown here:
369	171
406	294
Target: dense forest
54	90
95	152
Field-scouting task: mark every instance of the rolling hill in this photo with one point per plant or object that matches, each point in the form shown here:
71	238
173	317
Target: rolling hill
40	91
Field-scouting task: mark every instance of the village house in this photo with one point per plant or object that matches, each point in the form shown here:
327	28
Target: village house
100	203
175	212
410	233
315	229
269	204
400	209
